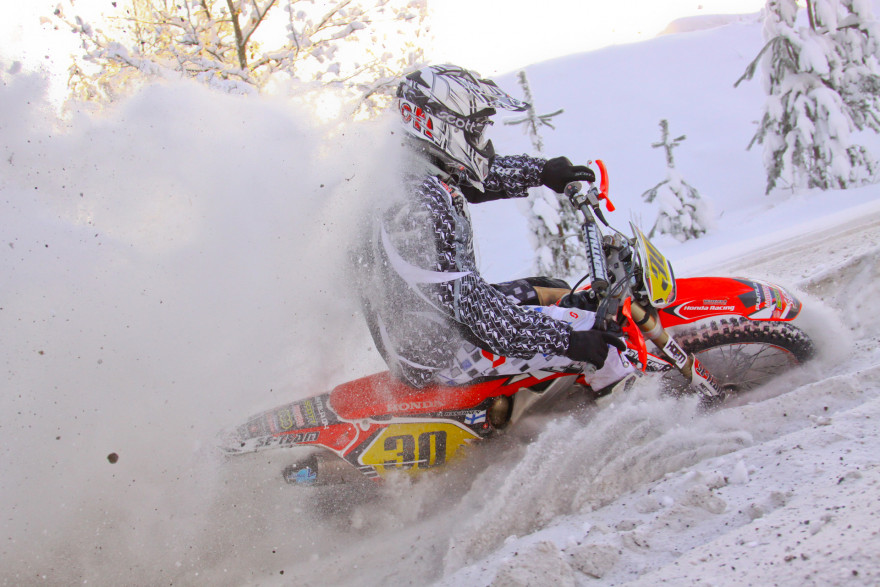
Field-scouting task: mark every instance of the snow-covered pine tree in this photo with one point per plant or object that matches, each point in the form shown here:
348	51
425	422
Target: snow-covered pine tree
857	42
531	120
684	214
553	223
807	123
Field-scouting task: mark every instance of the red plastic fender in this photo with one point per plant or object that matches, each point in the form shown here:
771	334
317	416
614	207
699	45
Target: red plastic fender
705	297
634	337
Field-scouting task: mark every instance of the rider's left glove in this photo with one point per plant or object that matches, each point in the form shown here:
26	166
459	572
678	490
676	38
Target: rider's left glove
559	172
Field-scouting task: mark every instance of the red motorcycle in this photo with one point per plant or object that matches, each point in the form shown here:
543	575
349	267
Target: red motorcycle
730	335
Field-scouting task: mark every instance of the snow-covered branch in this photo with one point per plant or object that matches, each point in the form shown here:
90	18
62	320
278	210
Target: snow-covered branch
220	42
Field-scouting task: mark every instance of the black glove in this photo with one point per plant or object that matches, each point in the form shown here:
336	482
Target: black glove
591	346
559	172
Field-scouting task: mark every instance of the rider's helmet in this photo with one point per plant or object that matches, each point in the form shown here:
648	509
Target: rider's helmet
448	110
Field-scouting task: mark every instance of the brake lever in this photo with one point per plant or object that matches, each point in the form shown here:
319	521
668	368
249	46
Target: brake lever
608	307
603	186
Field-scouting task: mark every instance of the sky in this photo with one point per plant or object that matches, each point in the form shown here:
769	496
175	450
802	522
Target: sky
479	35
484	35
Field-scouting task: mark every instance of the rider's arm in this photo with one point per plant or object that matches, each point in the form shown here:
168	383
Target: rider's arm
509	177
512	176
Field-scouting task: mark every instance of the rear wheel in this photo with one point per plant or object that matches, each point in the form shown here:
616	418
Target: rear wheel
742	354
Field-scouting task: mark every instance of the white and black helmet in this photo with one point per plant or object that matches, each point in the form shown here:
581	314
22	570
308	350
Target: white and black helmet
450	108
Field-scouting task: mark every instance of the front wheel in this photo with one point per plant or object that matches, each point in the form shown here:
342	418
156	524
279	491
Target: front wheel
742	354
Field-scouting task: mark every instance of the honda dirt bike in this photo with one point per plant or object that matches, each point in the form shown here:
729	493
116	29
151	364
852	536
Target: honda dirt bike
730	335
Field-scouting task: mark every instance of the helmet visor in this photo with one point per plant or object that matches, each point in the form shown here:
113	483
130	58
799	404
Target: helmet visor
475	133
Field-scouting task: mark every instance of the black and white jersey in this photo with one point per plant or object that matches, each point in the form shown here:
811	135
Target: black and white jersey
422	293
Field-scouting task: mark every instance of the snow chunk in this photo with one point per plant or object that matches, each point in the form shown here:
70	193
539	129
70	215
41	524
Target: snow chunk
740	474
594	560
542	564
819	420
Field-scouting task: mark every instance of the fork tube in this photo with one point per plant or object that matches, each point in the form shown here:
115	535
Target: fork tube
688	364
592	236
596	255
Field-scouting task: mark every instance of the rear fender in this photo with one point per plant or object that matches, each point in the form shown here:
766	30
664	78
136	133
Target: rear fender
706	297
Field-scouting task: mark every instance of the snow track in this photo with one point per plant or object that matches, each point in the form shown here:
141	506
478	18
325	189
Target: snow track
781	489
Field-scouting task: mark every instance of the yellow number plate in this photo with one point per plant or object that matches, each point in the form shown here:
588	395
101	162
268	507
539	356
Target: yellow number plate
658	275
416	446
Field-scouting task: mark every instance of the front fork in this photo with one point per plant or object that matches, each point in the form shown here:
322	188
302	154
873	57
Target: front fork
699	377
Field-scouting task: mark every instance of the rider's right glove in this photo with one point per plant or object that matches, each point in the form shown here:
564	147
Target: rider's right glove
559	172
591	346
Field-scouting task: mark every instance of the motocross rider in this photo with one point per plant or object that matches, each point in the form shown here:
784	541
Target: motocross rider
433	318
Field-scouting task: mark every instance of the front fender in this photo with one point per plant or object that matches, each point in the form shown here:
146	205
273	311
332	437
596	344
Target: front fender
706	297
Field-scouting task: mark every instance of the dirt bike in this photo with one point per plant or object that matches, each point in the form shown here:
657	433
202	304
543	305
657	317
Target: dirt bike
730	335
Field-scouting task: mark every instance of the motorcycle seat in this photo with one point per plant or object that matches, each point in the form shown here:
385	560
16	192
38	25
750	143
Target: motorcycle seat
382	395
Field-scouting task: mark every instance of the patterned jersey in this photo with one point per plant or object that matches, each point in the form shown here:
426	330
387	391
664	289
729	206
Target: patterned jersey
422	293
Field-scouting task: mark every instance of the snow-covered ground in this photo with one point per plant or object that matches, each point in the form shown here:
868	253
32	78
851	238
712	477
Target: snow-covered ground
173	266
782	489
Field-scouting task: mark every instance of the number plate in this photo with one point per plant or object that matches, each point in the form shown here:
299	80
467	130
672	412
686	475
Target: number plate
415	446
658	275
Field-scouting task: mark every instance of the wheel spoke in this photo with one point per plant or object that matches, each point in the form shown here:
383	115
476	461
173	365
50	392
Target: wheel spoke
740	354
745	366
